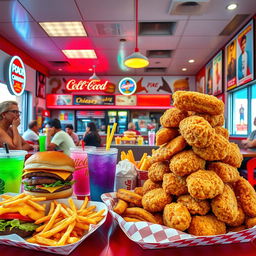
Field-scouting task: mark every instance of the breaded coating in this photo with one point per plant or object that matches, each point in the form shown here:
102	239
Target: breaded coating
236	229
155	200
177	216
172	117
204	184
250	222
167	151
195	206
239	219
157	170
196	131
164	135
207	225
150	185
216	150
246	196
222	131
174	184
139	191
233	157
186	162
214	120
224	206
198	102
226	172
159	218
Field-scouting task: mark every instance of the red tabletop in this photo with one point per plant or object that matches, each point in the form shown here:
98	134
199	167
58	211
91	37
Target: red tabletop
109	240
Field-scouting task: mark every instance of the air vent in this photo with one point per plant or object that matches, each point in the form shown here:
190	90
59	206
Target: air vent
234	24
156	28
182	7
59	63
159	53
111	29
155	70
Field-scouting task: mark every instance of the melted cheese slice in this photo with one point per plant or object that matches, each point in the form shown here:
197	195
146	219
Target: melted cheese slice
61	174
51	189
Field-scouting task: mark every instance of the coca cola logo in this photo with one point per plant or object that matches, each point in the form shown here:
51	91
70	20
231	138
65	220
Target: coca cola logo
128	184
86	85
16	76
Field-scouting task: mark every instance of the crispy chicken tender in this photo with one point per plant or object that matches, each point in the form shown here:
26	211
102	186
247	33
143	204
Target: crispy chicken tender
195	206
120	206
233	157
204	184
214	120
196	131
159	218
222	131
172	117
198	102
157	170
246	196
207	225
239	220
216	150
167	151
186	162
237	228
174	184
164	135
224	206
250	222
138	190
150	185
226	172
176	215
155	200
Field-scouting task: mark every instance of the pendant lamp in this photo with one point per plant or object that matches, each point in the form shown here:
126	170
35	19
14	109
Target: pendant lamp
94	76
136	59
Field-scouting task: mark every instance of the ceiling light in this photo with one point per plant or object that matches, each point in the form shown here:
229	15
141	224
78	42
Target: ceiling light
80	54
191	61
74	28
94	76
184	69
136	59
232	6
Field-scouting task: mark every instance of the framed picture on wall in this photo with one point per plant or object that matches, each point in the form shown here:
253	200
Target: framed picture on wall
40	85
217	74
200	81
208	78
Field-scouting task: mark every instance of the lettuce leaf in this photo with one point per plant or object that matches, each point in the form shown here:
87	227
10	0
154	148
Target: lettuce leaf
26	226
55	184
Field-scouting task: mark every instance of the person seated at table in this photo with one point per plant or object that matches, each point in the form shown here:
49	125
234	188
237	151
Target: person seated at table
91	136
69	130
31	134
132	128
9	123
58	139
250	142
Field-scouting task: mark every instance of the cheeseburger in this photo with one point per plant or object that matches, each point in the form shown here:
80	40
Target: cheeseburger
48	174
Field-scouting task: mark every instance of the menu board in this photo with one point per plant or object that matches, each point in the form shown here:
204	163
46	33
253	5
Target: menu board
217	74
200	81
208	78
94	100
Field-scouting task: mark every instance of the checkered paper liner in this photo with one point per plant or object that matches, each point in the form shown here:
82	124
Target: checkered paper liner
15	240
155	236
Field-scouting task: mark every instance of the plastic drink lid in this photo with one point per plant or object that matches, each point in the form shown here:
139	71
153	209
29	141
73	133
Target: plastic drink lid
12	153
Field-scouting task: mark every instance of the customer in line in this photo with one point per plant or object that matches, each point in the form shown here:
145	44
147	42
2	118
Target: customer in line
9	123
31	134
58	139
132	128
250	142
70	131
91	136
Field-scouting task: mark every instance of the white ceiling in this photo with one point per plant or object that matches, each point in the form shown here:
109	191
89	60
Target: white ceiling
195	37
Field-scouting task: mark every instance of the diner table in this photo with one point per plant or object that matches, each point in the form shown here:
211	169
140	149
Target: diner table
248	152
109	240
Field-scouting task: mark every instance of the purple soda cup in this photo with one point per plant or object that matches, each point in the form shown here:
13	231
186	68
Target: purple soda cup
102	169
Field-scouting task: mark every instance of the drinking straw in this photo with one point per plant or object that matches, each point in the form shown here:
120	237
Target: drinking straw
6	148
109	141
108	135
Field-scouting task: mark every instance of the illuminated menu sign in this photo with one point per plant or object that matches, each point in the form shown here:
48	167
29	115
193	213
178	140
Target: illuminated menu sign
94	100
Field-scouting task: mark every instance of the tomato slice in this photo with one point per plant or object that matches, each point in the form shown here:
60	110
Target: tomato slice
11	216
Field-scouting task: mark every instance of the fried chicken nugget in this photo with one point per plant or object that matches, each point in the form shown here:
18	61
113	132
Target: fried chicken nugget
158	217
155	200
246	196
239	220
198	102
233	157
207	225
204	184
164	135
222	131
167	151
236	229
150	185
195	206
174	184
216	150
224	205
157	170
186	162
196	131
172	117
250	222
214	120
176	215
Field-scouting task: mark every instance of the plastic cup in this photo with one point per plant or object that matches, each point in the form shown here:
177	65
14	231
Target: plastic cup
151	138
102	170
11	166
42	142
140	140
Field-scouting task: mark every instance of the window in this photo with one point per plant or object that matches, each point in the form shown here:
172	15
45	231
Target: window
253	107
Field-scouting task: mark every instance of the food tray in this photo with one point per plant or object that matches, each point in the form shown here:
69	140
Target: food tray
155	236
15	240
